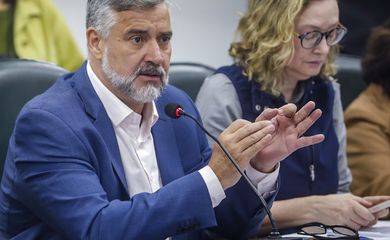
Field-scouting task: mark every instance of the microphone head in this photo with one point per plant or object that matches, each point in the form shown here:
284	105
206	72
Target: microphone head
173	110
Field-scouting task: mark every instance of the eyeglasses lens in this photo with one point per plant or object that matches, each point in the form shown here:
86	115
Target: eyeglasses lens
314	230
312	39
344	231
335	36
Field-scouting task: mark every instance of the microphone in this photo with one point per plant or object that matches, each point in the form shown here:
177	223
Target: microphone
174	110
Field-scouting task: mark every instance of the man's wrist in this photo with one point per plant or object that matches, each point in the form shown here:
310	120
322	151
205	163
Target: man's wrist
214	187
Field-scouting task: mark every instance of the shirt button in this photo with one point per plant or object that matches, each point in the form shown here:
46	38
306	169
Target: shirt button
258	108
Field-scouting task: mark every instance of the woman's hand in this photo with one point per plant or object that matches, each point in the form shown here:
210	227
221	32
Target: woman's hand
342	209
290	126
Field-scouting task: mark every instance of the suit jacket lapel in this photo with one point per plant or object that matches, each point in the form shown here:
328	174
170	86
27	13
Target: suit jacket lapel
95	109
167	152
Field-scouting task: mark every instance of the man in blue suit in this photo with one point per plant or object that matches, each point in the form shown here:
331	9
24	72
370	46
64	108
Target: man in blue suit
96	157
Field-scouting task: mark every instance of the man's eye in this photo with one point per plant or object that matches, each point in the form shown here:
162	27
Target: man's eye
165	39
136	39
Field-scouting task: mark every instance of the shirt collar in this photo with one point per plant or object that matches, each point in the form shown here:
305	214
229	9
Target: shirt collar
116	109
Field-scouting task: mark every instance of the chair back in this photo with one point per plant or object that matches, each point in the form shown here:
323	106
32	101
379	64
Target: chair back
189	76
349	75
20	81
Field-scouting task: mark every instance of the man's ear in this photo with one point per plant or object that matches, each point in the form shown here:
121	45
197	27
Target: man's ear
94	43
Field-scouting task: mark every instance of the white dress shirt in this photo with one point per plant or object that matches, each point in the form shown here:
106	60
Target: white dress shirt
136	146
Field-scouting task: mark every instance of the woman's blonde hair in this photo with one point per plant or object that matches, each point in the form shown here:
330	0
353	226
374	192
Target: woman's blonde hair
267	32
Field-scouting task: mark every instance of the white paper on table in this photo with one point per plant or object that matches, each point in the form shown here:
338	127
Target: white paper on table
379	231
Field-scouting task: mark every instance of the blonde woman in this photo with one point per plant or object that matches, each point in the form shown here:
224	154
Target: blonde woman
285	55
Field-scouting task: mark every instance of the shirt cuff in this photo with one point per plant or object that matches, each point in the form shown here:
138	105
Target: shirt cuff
216	192
265	182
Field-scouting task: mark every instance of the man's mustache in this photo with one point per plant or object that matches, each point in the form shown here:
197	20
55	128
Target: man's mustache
151	69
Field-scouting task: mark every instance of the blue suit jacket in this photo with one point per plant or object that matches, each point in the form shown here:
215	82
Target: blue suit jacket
64	178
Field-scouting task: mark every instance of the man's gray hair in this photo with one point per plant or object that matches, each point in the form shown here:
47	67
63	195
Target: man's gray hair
100	13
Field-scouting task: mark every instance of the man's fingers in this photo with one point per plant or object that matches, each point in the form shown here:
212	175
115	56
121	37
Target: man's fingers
237	124
248	140
255	137
252	150
246	135
249	129
267	114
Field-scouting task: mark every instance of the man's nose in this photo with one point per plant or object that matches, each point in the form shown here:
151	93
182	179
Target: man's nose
154	53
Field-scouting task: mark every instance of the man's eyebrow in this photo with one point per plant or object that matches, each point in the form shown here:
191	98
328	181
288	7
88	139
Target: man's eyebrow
168	33
136	31
143	32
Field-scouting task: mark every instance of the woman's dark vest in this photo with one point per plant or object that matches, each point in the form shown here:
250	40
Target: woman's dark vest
296	177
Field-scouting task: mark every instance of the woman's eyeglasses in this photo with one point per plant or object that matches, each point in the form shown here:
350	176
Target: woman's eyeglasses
339	231
312	39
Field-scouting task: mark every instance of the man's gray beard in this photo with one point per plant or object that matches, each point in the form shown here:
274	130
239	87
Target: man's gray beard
125	83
